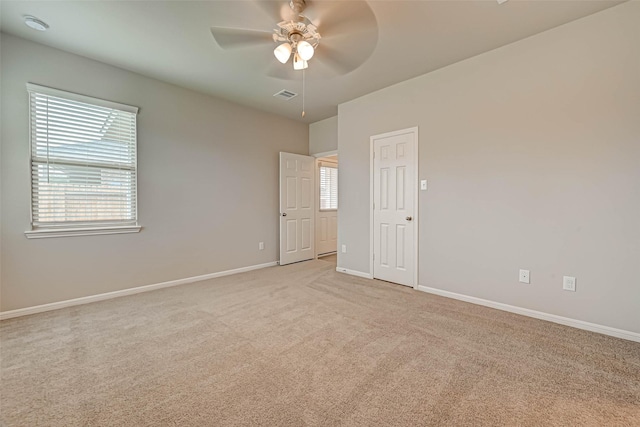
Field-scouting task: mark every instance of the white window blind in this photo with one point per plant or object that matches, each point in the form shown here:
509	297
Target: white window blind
328	187
83	161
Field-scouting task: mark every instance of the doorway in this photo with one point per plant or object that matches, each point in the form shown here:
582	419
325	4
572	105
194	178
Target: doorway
394	207
327	205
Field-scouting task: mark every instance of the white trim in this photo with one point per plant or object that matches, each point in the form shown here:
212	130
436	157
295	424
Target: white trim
416	203
326	153
371	199
32	87
316	194
329	163
89	231
327	254
354	272
593	327
115	294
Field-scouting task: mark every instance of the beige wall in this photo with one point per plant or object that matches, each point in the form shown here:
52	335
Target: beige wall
208	183
532	153
323	136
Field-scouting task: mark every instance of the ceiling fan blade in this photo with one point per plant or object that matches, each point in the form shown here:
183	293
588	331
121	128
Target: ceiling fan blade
344	53
349	31
338	62
276	10
231	38
338	17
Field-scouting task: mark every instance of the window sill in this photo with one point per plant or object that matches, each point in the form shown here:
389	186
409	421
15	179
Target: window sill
89	231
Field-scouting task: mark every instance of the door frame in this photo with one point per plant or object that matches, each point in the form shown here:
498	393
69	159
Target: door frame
416	205
325	154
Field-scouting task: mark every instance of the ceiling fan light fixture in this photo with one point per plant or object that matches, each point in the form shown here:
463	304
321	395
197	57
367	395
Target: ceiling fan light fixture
283	52
299	63
305	50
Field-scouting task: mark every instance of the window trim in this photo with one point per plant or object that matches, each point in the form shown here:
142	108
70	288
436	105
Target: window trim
87	231
45	90
40	233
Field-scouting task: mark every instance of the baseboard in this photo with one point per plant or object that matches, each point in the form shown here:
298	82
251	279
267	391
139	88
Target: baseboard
327	254
593	327
124	292
354	272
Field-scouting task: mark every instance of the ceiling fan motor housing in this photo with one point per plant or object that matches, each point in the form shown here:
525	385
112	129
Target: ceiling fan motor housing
298	6
295	32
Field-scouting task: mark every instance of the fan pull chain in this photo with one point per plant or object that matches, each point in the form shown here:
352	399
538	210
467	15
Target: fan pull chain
303	87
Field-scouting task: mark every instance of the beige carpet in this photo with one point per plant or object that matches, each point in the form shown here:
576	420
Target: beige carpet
304	345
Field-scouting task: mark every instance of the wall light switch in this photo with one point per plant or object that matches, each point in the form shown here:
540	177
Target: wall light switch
423	184
569	283
344	249
261	246
524	276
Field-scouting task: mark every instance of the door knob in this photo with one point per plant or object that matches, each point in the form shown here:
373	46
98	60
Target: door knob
284	214
409	218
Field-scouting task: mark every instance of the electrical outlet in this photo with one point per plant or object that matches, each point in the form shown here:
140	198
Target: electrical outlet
261	246
344	249
524	276
569	283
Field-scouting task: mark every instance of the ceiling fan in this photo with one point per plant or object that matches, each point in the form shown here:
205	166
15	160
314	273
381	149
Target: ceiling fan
348	28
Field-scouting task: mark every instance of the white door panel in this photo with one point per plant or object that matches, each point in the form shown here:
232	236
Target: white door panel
333	229
297	208
306	234
323	230
305	193
327	232
394	188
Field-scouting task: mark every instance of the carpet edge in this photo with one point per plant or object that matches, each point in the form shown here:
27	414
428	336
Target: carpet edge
575	323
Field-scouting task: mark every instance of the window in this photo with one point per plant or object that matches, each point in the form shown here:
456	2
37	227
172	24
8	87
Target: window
328	186
83	165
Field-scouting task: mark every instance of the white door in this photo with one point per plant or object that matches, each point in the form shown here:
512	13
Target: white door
327	211
394	208
297	208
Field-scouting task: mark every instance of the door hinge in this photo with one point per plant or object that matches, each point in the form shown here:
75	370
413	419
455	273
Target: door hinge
374	256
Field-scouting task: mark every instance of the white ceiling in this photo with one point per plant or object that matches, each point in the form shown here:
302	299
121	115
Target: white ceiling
171	41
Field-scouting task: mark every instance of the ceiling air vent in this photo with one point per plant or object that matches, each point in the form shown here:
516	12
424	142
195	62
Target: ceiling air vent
285	94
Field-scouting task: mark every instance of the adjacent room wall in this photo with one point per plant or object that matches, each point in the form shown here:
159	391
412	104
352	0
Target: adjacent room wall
323	136
208	183
532	154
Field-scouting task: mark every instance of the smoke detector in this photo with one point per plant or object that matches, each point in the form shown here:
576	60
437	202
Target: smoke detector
35	23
